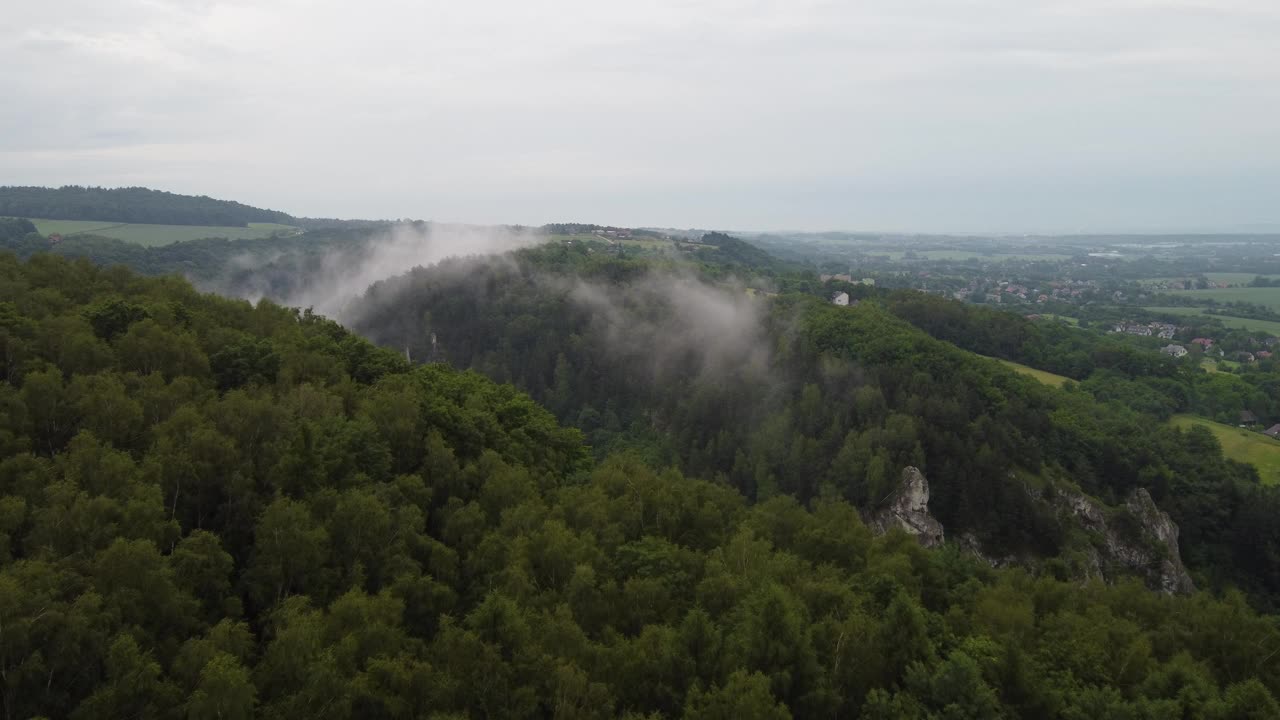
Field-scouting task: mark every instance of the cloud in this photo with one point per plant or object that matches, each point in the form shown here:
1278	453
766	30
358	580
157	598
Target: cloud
675	323
499	111
332	282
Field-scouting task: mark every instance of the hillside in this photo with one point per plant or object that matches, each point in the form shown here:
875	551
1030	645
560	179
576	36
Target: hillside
660	354
211	510
796	397
131	205
733	252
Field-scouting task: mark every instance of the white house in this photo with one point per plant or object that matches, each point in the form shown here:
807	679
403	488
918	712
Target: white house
1174	350
840	298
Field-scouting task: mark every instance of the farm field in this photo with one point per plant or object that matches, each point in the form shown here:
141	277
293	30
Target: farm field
155	235
1047	378
1240	444
1269	296
1269	326
969	254
1222	278
1232	278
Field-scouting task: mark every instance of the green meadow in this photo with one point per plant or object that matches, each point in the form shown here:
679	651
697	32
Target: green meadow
1234	278
1269	326
155	235
1268	296
1247	446
1047	378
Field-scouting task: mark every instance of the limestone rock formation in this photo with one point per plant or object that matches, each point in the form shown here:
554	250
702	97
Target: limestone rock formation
1166	565
1136	538
908	508
1139	538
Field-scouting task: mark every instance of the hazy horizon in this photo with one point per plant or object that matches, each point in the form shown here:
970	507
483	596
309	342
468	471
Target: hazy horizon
988	116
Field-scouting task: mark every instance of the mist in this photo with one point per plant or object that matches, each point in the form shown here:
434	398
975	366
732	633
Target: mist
330	280
676	322
608	340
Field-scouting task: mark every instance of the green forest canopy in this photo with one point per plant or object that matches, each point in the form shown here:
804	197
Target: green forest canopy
214	509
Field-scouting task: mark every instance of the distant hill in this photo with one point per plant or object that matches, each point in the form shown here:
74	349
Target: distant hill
131	205
732	251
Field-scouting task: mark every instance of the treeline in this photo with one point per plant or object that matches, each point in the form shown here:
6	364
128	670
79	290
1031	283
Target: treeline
210	509
14	231
131	205
800	398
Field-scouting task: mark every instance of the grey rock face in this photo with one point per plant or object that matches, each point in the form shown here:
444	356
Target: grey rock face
908	508
1165	568
1147	547
1136	539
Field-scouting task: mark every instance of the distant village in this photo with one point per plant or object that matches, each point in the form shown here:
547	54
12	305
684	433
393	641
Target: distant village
1257	350
1004	291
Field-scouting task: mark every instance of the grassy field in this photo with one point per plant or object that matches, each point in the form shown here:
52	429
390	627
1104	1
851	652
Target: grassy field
1231	278
154	235
1047	378
1268	296
1245	323
648	243
1240	444
1211	365
1064	318
1222	278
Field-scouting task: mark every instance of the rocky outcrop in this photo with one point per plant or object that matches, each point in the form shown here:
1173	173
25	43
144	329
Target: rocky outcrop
1166	564
908	508
1138	538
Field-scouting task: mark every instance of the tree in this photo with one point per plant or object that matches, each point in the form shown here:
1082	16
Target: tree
203	569
49	410
133	686
224	693
289	549
149	348
104	408
744	696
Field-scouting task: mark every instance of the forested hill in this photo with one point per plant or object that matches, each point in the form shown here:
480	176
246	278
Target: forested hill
210	509
794	396
131	205
732	252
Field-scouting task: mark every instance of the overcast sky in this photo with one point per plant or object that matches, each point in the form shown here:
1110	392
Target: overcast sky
960	115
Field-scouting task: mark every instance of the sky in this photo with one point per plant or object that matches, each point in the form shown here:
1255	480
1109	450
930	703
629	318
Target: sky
890	115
